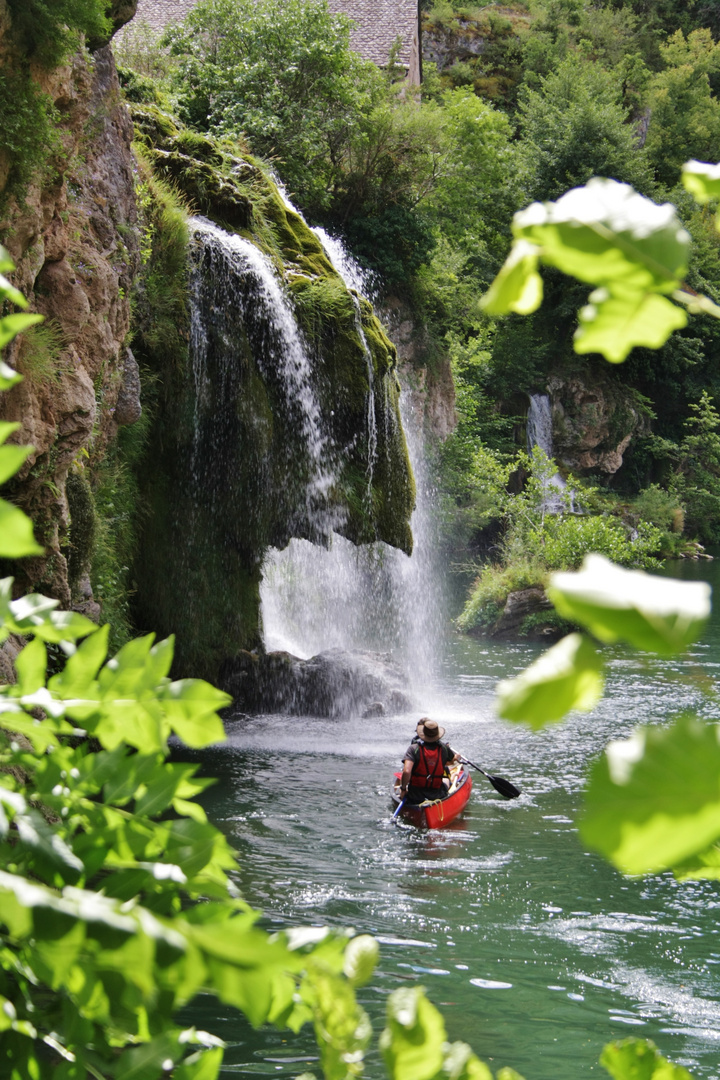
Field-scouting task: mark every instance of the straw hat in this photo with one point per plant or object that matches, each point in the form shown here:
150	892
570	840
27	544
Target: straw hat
429	730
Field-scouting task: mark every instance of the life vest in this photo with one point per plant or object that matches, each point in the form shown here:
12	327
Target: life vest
429	768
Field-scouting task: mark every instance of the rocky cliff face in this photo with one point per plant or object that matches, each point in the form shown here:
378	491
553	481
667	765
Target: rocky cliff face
594	421
428	377
74	240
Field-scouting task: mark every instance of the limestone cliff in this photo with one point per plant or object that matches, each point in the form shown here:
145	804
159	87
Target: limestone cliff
72	234
594	420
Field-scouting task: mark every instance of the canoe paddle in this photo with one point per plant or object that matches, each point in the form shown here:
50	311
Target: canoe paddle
399	807
504	787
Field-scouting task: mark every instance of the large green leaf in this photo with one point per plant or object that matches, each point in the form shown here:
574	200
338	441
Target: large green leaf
461	1064
639	1059
12	458
607	235
518	287
30	666
361	956
702	181
654	800
8	376
12	325
8	290
614	604
568	676
614	322
705	865
16	532
191	706
342	1028
412	1043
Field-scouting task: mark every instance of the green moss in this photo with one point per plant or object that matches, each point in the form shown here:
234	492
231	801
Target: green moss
492	588
39	353
153	125
28	133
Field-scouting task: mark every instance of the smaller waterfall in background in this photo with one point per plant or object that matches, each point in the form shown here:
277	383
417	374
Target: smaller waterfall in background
371	597
539	433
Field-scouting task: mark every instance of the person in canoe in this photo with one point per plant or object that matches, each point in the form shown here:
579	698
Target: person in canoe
425	763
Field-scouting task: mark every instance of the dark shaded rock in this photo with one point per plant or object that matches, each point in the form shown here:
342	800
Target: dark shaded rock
333	684
519	606
128	408
119	12
594	421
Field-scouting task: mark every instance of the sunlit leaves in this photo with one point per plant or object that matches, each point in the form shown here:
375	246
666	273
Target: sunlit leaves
361	956
342	1027
412	1043
518	287
702	181
609	236
639	1059
615	321
654	800
568	676
648	612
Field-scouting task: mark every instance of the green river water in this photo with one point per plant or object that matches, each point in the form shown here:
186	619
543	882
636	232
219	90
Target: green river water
536	950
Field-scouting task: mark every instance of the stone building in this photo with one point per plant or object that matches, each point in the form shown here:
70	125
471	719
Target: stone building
377	26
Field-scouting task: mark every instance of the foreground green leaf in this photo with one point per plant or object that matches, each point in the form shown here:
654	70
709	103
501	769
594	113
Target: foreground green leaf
648	612
614	323
654	800
412	1043
568	676
16	533
702	181
607	235
639	1059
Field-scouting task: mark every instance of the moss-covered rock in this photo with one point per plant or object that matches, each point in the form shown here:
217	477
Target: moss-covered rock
226	473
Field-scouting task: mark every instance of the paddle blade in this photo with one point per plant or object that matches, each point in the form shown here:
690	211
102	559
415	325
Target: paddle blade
504	787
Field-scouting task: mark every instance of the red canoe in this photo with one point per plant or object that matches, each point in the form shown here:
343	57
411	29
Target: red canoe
437	813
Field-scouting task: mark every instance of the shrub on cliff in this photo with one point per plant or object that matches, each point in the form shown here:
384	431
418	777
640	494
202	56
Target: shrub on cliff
281	72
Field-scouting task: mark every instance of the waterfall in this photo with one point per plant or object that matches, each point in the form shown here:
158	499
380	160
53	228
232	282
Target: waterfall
356	280
355	276
236	298
371	597
539	424
539	433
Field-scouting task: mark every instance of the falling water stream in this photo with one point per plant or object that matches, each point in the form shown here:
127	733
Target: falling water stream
540	434
536	950
371	597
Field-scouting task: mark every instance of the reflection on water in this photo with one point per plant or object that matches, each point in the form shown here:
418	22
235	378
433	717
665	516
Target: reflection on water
537	951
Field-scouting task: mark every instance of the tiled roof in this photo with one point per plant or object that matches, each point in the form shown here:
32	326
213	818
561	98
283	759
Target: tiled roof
378	24
161	13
